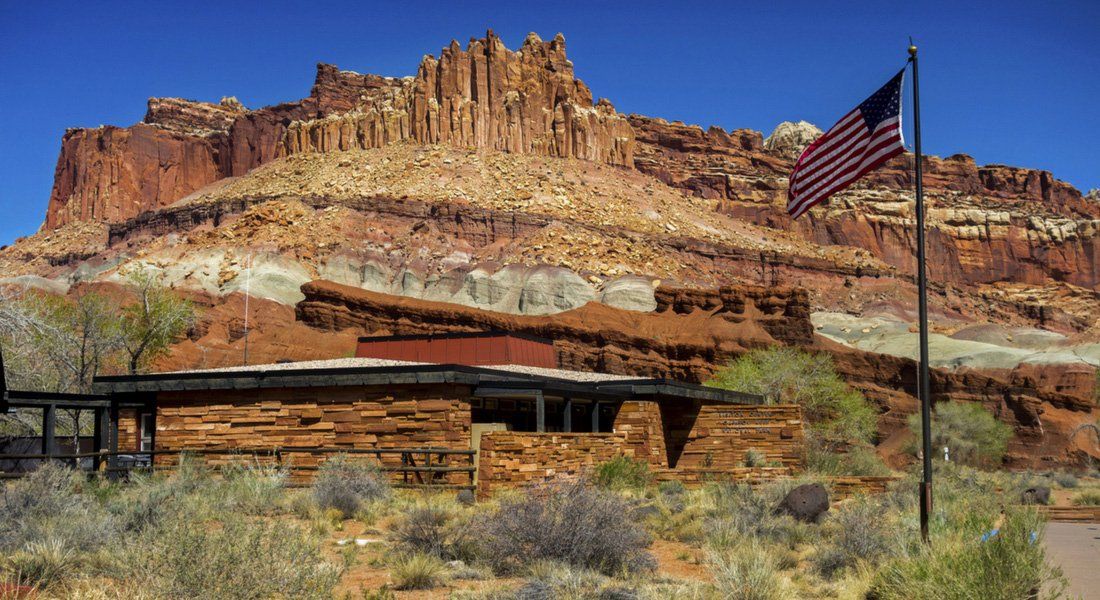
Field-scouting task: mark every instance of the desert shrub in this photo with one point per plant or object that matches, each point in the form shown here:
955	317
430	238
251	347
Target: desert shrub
1089	498
677	520
749	572
237	558
1065	479
972	434
960	566
46	506
567	522
345	486
858	461
754	458
836	413
623	473
418	572
859	532
737	511
434	531
551	581
40	564
672	487
251	488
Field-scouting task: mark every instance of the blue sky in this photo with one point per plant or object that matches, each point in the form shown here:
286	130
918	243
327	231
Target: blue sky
1014	82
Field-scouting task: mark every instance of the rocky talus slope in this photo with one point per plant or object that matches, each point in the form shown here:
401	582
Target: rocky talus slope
493	187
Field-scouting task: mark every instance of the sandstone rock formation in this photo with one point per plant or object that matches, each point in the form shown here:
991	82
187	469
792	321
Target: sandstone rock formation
486	96
789	139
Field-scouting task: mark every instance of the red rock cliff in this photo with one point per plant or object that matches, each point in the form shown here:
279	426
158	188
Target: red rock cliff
485	96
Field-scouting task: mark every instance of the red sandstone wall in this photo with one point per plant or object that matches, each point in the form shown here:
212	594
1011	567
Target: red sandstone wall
511	458
723	433
129	438
641	426
337	417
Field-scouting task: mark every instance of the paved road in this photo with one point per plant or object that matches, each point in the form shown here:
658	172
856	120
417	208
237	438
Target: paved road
1076	548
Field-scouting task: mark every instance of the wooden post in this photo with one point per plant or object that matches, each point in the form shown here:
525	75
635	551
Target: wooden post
112	443
595	417
49	429
540	412
100	441
567	416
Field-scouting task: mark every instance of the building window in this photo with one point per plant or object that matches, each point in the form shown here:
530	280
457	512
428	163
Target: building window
148	424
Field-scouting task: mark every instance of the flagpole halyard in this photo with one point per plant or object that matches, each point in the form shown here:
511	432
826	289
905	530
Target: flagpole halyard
923	378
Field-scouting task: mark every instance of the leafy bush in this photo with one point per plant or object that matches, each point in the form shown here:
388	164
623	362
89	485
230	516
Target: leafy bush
236	558
836	413
345	486
418	572
1009	566
567	522
1089	498
622	473
436	532
748	572
972	434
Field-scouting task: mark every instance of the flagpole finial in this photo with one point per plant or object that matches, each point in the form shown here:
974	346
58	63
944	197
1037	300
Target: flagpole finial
912	50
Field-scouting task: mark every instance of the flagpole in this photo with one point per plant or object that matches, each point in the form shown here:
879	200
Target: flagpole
923	379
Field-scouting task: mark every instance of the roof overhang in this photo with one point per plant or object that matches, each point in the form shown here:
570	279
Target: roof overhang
482	378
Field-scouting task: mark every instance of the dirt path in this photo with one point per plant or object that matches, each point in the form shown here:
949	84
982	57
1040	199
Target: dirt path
1076	548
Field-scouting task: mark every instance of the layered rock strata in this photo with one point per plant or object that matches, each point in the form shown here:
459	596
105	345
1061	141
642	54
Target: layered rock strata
485	96
694	332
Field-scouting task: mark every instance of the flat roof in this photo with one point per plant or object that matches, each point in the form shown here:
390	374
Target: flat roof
374	371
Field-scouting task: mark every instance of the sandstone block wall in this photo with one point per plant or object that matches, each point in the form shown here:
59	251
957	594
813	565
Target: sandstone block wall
512	458
337	417
722	434
129	434
640	425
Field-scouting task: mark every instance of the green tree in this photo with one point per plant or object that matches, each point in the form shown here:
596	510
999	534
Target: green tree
837	414
154	322
58	343
971	433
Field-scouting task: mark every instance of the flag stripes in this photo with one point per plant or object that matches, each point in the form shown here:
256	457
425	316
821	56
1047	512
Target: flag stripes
858	143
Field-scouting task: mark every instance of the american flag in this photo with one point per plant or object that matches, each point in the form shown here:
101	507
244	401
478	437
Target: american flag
859	143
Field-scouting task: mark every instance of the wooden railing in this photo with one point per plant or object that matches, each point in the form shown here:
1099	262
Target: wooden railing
418	468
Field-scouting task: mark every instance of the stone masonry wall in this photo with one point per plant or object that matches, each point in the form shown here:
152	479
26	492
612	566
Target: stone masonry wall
723	433
129	439
335	417
641	426
512	458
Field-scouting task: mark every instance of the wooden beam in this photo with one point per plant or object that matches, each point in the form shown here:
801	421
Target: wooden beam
567	416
